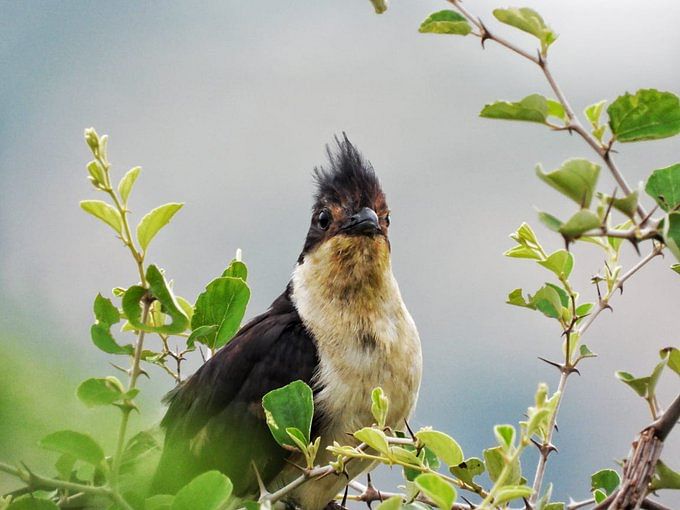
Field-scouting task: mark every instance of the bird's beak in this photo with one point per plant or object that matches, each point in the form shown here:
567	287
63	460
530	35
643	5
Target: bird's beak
365	222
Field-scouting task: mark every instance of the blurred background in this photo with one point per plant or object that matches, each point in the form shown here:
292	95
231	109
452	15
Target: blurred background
228	107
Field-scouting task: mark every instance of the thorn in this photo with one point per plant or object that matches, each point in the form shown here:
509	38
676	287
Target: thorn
295	465
608	307
344	497
609	209
527	504
649	215
621	289
263	490
144	373
125	370
635	243
559	366
472	507
408	427
485	32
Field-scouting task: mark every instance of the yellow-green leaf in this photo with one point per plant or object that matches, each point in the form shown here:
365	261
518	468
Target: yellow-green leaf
105	212
154	221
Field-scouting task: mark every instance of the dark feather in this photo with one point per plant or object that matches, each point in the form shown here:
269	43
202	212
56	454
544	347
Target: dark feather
215	419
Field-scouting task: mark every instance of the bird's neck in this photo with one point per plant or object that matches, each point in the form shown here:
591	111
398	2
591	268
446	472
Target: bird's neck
345	282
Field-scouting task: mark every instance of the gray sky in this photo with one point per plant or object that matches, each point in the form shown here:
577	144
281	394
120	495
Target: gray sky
227	107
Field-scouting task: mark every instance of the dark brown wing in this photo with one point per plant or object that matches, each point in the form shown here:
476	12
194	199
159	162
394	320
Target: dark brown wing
215	419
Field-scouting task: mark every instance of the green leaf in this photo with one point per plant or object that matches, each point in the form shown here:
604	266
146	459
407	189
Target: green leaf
560	262
606	479
236	269
374	438
529	21
523	252
580	223
665	477
379	406
640	384
105	212
550	221
104	311
297	437
510	492
443	446
106	315
209	491
493	458
627	205
159	502
647	115
676	268
97	173
445	22
291	406
548	301
599	496
671	233
202	334
80	446
154	221
159	289
557	505
393	503
585	352
126	183
437	490
672	357
533	108
468	469
30	502
594	112
576	179
517	299
555	109
663	185
222	304
101	391
505	435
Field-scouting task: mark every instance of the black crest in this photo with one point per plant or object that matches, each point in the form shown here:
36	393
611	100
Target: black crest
348	179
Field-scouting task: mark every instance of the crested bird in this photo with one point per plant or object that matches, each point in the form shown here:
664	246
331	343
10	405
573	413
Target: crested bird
340	325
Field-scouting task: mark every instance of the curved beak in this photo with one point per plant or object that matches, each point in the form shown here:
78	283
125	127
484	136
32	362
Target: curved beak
365	222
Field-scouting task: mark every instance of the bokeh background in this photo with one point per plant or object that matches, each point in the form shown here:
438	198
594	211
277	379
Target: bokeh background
228	105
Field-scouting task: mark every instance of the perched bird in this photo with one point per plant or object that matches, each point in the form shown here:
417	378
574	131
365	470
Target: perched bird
340	326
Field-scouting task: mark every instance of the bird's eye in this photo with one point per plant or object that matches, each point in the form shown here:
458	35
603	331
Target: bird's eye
387	220
324	219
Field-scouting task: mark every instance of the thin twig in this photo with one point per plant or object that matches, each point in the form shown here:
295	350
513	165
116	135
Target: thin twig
604	302
37	482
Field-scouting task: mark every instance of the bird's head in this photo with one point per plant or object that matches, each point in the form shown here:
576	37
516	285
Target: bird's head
347	241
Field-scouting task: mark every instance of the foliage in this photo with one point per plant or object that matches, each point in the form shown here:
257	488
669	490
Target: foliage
154	319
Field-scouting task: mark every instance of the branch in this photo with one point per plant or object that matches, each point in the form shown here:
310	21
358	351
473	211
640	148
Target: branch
36	482
370	494
639	467
547	445
574	122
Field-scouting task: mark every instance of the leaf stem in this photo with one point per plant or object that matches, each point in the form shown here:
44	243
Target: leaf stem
128	406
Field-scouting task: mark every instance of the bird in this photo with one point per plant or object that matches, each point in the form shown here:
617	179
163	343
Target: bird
341	326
